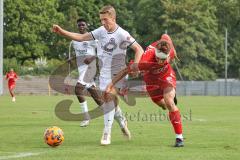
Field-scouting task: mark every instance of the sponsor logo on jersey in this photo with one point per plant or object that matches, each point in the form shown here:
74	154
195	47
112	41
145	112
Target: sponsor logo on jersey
85	44
110	46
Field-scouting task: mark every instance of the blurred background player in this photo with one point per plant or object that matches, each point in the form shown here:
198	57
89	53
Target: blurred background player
11	77
86	61
113	43
160	80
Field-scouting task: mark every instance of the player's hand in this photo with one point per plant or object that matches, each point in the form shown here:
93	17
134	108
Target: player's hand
56	29
88	60
109	92
109	88
134	67
133	74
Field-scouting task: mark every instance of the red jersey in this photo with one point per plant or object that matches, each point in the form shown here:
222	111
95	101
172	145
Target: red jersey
157	76
151	69
11	77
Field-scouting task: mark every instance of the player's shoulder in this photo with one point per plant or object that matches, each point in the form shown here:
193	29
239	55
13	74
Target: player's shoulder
75	42
100	29
121	30
151	47
150	52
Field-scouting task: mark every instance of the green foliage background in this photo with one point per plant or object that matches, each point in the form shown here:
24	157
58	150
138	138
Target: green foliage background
196	27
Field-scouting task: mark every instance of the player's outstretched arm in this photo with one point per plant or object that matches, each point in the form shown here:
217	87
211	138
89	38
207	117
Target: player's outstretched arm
71	35
138	54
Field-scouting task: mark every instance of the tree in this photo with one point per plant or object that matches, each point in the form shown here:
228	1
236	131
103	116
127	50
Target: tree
193	30
228	15
27	28
89	10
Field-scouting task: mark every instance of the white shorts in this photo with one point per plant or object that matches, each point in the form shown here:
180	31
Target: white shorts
87	74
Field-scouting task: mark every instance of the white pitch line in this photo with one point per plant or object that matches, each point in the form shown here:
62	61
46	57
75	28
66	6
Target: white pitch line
19	155
199	119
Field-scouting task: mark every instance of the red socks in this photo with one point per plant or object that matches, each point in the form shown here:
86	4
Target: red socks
175	119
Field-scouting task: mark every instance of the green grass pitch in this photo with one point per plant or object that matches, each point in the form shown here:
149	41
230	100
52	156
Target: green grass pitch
211	128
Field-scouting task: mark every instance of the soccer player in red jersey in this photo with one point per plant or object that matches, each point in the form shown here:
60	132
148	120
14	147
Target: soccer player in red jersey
11	77
160	80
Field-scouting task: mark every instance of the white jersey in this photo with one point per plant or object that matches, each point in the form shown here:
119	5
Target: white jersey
86	72
111	51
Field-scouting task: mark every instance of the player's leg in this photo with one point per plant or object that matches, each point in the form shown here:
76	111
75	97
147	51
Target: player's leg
79	89
96	95
121	119
174	114
109	111
11	87
156	95
161	103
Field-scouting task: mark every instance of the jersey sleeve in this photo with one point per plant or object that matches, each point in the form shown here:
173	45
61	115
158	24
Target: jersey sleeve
127	40
147	60
15	75
96	33
7	76
94	43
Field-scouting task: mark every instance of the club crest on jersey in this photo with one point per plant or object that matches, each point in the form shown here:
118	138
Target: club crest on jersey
110	46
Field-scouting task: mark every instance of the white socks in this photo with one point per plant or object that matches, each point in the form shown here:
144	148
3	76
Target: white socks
109	111
180	136
119	117
84	109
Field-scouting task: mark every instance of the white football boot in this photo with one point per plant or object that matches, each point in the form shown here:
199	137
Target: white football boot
123	125
106	139
13	99
125	131
84	123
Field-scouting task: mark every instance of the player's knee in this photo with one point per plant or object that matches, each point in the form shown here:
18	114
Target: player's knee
79	89
170	103
161	103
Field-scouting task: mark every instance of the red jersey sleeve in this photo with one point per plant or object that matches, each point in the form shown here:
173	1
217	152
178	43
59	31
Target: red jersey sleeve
15	75
147	60
6	76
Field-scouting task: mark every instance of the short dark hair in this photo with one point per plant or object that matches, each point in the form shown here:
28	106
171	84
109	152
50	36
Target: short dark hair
81	20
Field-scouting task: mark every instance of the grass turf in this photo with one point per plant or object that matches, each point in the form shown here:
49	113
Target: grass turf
211	129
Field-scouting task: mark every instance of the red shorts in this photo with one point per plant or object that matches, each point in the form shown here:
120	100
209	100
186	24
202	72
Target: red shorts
155	86
11	85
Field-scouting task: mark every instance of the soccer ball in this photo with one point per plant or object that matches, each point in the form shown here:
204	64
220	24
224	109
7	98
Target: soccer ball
53	136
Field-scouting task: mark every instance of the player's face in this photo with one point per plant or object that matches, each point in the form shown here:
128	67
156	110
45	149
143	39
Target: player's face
82	27
108	22
160	61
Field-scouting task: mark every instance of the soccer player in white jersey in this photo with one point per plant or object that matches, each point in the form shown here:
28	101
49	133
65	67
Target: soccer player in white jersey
86	61
113	42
